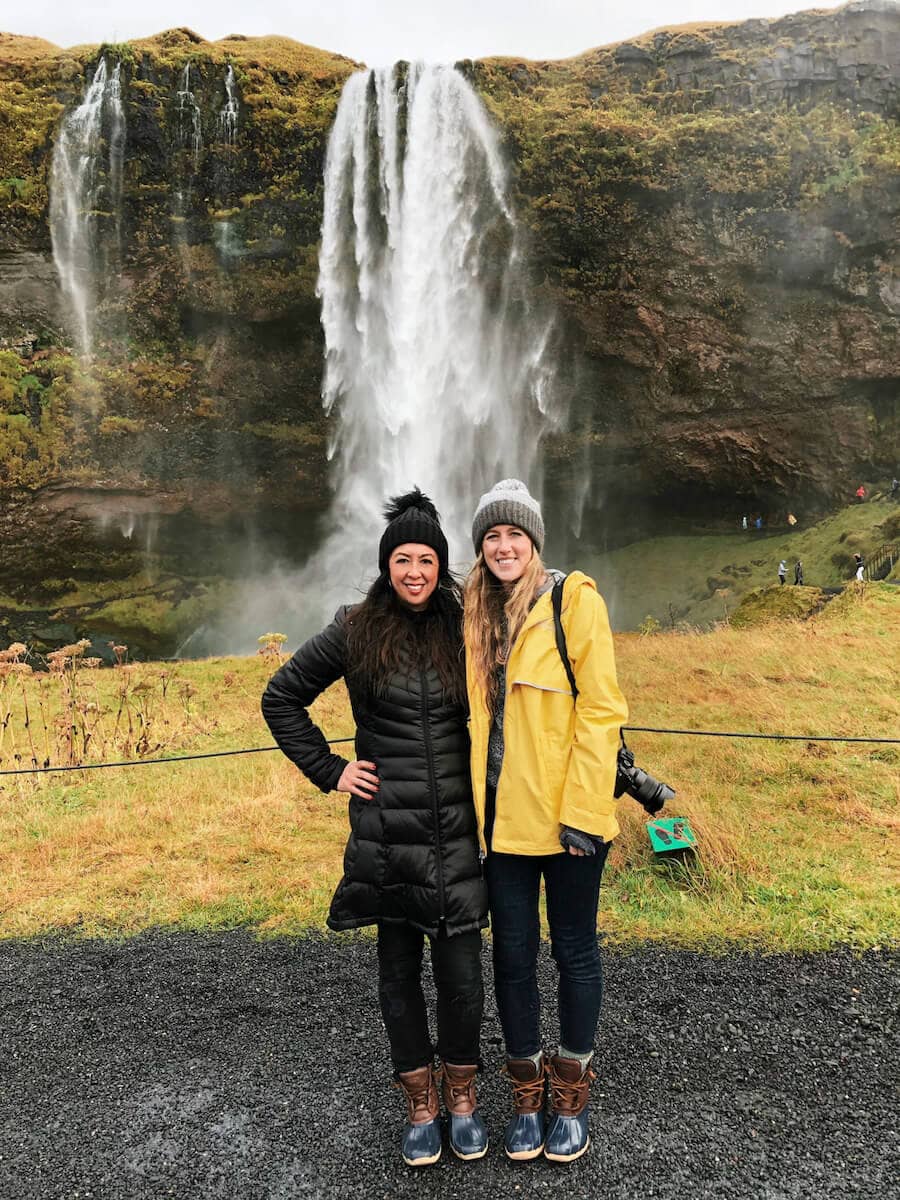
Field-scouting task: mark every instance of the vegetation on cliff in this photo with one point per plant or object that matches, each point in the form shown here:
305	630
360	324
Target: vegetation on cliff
711	207
195	340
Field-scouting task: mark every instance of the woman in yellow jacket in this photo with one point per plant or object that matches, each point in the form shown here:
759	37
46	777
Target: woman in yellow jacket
543	772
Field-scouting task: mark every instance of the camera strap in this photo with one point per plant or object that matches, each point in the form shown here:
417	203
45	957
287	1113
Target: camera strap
556	600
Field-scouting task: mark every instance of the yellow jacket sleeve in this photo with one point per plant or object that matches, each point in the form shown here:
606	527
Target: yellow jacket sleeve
600	710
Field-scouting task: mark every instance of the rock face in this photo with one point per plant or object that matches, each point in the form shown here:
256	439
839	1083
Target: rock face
715	209
201	402
711	208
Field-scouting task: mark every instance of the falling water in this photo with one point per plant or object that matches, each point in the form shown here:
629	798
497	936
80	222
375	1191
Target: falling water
437	372
81	184
189	128
228	117
190	138
435	368
113	104
224	237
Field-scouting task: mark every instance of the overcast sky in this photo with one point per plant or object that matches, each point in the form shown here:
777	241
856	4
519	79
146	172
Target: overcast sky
381	31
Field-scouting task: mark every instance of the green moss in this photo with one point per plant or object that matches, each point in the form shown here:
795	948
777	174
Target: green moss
116	426
161	619
288	435
778	603
11	372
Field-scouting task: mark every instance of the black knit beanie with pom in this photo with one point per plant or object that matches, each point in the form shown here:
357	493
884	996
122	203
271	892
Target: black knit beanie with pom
413	518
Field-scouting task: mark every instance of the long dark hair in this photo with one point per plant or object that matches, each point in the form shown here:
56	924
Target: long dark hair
384	636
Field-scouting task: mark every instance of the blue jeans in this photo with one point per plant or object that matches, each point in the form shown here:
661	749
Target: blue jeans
572	886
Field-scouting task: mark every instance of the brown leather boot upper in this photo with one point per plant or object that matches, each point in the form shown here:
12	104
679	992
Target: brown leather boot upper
458	1089
569	1086
421	1092
527	1084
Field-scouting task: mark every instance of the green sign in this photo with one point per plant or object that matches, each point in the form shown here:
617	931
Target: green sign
670	834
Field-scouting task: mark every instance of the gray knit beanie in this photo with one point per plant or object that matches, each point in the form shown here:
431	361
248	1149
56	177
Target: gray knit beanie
508	503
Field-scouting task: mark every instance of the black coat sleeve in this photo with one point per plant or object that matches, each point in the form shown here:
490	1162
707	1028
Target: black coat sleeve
315	666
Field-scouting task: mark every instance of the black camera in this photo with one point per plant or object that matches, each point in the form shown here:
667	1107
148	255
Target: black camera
637	783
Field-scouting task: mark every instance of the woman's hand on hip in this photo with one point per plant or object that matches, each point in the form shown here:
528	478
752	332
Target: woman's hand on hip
359	779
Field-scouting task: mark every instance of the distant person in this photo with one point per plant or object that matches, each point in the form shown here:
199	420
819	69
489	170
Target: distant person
744	523
792	520
412	866
895	489
860	493
782	571
860	567
759	523
798	572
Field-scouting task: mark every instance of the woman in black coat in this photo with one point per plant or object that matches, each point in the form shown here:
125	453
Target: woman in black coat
411	866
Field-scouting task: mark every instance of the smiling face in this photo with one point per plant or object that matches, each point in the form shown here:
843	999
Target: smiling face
507	551
414	571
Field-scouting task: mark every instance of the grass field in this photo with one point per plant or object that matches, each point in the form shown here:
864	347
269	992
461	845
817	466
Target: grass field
798	842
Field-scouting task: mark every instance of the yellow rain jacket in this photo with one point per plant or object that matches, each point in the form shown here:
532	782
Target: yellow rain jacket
559	758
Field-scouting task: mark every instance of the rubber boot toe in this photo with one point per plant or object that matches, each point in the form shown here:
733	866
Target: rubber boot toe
567	1137
524	1137
468	1135
421	1145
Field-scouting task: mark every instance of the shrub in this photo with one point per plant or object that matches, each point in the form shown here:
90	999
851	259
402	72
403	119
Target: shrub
649	626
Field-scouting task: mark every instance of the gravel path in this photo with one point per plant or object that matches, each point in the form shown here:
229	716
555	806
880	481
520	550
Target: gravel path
219	1066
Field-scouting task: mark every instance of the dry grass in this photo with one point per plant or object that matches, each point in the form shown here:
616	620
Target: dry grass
16	48
278	53
798	841
214	841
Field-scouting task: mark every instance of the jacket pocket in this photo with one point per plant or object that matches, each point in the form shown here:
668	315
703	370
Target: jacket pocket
543	687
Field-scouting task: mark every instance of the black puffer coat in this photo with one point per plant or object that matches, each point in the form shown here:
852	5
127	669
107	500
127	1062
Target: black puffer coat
413	850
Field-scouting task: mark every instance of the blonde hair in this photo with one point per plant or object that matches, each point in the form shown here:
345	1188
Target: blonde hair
493	616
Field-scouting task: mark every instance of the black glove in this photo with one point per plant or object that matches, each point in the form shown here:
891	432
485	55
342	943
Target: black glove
579	840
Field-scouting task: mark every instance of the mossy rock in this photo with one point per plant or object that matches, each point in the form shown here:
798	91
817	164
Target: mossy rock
778	603
155	623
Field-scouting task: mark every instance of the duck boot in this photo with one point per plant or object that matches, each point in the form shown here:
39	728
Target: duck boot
567	1132
468	1132
524	1136
421	1144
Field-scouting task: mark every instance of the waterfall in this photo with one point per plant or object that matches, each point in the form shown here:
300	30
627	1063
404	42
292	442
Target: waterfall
189	129
84	188
224	237
190	138
228	117
436	370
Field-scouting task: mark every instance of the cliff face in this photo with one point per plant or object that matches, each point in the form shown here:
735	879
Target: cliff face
713	210
716	209
202	397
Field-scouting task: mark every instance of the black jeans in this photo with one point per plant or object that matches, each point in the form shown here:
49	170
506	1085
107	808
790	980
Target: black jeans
456	967
572	886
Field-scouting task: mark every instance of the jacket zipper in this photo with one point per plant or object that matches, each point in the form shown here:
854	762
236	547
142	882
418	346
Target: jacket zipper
432	779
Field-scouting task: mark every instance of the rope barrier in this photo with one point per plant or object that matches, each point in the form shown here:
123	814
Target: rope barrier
148	762
773	737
